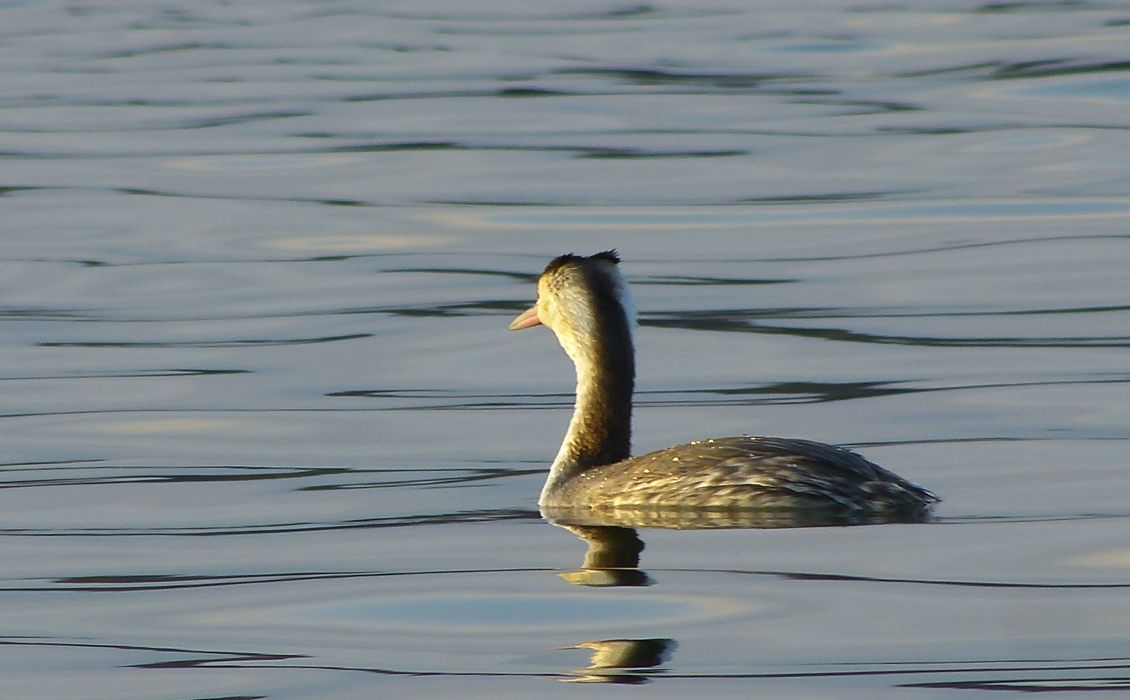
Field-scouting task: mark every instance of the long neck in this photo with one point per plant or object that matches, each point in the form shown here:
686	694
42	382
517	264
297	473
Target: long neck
600	431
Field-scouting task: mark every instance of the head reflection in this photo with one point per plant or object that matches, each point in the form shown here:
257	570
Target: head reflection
625	661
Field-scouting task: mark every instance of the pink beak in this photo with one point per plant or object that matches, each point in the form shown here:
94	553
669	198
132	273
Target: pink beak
527	319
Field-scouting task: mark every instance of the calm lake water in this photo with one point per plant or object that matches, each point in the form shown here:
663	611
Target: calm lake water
265	434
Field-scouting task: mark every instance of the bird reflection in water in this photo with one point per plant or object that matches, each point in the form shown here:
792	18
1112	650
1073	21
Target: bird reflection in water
612	559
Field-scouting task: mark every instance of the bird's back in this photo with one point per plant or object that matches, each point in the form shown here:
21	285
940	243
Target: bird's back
744	472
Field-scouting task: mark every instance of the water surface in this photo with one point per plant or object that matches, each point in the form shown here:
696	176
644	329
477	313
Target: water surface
265	434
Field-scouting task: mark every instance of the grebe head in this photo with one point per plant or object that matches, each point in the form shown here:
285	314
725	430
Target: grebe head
585	301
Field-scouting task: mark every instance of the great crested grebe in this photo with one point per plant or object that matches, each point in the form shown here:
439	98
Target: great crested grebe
586	302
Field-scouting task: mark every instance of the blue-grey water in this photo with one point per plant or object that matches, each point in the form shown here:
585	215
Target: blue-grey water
264	434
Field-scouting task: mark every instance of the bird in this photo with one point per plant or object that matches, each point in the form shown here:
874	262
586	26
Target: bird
586	302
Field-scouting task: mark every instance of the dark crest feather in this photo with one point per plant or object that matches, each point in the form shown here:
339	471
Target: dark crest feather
570	258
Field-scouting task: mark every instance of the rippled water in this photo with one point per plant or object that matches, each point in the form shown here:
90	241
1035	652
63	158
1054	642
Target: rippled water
265	435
